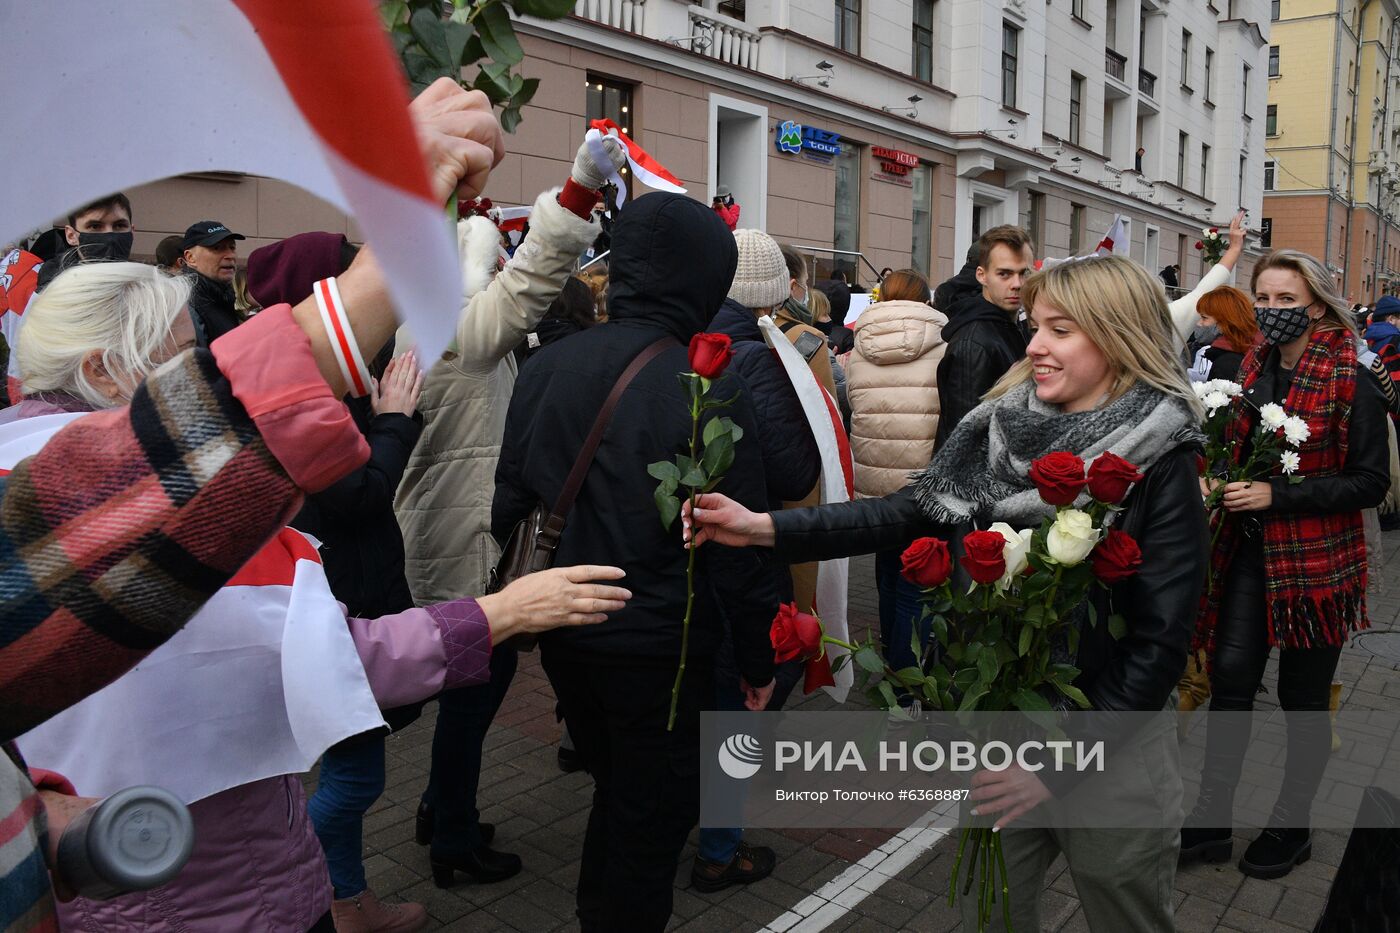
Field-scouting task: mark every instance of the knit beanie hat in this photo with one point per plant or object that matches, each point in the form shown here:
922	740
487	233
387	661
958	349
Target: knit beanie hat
761	281
1387	306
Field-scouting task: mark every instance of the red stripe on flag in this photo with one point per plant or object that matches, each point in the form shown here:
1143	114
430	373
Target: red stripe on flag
338	323
639	155
338	66
843	444
276	563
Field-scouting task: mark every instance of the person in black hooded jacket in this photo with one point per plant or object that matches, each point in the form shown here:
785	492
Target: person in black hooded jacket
672	262
983	338
963	285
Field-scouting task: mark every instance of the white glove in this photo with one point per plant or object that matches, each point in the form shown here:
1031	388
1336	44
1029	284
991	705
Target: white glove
588	173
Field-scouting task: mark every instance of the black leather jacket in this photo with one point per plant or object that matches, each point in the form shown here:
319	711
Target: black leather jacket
1135	673
983	343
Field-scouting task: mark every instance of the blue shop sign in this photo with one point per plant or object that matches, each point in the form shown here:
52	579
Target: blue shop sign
794	137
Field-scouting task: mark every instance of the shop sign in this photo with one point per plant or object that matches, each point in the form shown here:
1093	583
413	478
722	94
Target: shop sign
795	138
893	165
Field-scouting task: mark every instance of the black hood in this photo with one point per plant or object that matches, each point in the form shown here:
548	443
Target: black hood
737	321
958	288
672	262
976	309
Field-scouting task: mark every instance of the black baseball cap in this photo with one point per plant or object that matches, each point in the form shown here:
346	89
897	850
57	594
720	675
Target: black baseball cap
209	232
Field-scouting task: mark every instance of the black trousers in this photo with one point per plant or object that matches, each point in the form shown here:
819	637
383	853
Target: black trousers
1237	670
646	795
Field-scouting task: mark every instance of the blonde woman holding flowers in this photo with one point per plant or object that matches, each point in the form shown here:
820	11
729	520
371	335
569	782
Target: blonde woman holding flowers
1289	562
1100	375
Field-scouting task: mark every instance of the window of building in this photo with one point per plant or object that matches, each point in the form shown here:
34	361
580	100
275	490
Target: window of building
1185	58
921	241
1076	102
1182	141
1274	9
1273	61
1076	229
611	100
1110	31
1205	170
1239	181
1010	43
1076	8
848	26
1035	218
1266	232
733	8
1244	91
923	40
1269	166
846	229
1206	80
1271	120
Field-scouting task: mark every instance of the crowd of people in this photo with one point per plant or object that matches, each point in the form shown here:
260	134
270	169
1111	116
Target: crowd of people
189	418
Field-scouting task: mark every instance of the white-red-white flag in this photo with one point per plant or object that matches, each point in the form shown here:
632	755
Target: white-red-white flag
113	93
1115	240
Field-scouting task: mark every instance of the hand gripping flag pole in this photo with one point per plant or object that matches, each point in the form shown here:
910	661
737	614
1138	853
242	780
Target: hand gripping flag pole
644	167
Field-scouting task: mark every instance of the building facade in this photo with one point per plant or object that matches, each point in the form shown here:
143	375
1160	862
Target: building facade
1331	176
884	133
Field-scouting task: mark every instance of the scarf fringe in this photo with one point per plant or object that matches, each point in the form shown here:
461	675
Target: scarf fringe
1317	622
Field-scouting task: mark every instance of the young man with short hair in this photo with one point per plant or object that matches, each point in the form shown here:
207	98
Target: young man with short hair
984	339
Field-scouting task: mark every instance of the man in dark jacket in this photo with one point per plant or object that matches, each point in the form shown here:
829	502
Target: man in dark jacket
1382	336
964	284
211	255
983	338
672	262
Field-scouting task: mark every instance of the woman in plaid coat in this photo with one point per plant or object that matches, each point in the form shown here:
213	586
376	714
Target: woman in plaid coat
1289	563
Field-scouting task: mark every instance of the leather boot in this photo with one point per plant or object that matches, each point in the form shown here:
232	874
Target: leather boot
1207	833
1276	851
484	865
1334	703
365	913
424	822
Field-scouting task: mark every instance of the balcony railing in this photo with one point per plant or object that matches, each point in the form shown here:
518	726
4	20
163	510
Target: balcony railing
627	15
729	40
1116	65
1147	82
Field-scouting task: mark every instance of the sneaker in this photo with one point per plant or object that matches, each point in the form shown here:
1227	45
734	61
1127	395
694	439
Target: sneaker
365	913
749	864
1276	851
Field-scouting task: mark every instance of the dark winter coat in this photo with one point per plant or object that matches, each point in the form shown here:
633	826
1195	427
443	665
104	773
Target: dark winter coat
212	308
983	343
961	286
672	262
791	461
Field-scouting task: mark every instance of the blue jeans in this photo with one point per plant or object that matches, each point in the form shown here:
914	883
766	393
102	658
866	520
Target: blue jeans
900	609
464	716
351	780
719	845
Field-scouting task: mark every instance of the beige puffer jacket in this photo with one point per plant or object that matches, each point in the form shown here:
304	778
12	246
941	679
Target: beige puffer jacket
444	499
892	379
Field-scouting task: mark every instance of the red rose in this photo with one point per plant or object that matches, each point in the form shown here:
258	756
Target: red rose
926	563
794	634
709	354
1059	477
1200	465
1116	558
1214	229
982	556
1110	476
1200	245
818	674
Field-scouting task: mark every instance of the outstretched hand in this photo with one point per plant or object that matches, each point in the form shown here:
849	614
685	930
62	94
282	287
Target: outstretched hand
720	519
1236	237
554	598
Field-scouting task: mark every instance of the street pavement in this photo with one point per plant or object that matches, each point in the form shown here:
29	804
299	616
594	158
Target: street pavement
858	880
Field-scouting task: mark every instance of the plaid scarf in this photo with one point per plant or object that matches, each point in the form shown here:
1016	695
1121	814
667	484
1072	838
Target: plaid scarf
1314	564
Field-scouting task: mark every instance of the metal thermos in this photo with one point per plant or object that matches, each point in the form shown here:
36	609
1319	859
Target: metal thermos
134	840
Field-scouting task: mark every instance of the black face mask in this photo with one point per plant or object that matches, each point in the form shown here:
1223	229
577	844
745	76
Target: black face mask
825	326
111	247
1282	325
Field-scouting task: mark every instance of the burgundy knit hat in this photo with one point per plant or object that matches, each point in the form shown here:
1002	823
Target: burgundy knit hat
286	271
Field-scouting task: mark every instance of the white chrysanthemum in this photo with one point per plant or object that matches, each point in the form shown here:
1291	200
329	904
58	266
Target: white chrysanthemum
1289	461
1272	416
1295	430
1232	389
1215	400
1201	389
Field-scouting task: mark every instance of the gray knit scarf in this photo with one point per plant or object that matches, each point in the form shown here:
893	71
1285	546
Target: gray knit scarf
981	471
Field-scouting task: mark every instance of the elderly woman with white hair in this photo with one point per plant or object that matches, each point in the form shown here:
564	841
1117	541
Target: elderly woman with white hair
90	339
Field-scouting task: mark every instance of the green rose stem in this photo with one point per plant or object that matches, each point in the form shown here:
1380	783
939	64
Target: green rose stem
689	568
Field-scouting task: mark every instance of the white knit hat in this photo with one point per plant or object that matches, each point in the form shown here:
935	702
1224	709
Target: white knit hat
762	280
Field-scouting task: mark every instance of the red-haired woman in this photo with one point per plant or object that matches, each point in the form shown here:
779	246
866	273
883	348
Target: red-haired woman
1227	314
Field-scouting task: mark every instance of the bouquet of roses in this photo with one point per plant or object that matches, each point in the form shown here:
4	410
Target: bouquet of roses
701	468
1212	244
999	637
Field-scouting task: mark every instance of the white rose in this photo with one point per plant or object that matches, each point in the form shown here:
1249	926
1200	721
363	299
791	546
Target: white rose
1072	537
1289	461
1205	232
1014	551
1295	430
1272	416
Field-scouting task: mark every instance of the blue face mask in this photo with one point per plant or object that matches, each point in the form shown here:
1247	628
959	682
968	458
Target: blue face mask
1282	325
